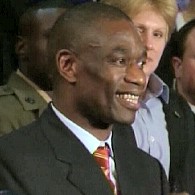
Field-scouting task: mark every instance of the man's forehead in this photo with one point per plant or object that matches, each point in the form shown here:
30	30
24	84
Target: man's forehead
45	18
46	11
110	25
128	48
109	30
117	39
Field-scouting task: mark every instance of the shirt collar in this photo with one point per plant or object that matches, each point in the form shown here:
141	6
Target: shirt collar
87	139
192	107
157	88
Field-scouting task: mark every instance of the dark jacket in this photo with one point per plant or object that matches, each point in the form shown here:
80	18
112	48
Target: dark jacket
46	158
181	127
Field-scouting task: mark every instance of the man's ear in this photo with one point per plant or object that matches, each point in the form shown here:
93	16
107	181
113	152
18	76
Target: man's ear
21	47
177	66
66	64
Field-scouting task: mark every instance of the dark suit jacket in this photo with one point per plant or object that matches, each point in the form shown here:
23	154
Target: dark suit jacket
181	127
46	158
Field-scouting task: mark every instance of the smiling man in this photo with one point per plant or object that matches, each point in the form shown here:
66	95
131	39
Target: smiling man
98	81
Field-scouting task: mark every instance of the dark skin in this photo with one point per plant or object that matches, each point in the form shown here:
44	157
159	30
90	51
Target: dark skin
95	86
31	47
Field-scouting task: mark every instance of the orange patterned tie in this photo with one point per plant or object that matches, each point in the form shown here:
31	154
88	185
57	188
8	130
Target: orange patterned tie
101	155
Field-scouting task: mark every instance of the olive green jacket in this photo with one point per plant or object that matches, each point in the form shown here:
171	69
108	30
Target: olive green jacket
20	104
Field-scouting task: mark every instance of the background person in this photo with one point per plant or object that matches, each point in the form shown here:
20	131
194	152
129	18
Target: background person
183	140
25	95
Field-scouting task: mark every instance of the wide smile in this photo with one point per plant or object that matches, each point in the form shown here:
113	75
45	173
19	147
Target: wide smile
128	100
129	97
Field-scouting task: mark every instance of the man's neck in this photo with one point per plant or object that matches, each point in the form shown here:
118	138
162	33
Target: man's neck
100	132
45	95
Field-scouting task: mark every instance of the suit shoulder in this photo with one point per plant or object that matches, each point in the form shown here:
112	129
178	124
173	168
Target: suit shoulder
24	136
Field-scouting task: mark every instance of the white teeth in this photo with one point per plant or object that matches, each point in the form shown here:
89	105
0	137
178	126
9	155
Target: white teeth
128	97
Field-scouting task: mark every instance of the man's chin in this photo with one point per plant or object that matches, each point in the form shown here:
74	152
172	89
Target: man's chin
126	120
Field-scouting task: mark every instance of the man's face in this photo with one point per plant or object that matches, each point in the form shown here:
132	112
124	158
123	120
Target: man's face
154	31
111	79
38	68
185	73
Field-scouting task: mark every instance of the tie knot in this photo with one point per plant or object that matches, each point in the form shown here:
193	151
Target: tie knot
101	156
103	151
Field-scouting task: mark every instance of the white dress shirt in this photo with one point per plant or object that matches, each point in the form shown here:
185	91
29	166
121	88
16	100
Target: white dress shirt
88	140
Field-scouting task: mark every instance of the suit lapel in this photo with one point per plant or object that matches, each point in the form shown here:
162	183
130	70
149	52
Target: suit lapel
179	120
180	124
83	172
133	173
124	160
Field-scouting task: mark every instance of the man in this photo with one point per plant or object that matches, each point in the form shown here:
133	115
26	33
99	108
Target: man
182	138
24	97
98	81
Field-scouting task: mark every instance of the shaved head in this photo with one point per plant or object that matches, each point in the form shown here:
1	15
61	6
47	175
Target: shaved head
26	23
79	25
31	47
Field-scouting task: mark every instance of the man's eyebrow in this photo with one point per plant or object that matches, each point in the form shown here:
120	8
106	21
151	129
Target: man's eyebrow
94	44
145	27
120	50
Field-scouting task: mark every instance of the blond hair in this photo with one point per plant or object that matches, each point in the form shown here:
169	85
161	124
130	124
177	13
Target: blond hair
166	8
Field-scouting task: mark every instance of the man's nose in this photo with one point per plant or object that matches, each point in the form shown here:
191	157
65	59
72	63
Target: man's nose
147	40
135	75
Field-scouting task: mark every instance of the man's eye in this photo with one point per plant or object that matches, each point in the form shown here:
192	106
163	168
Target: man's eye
140	30
158	34
121	61
141	64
